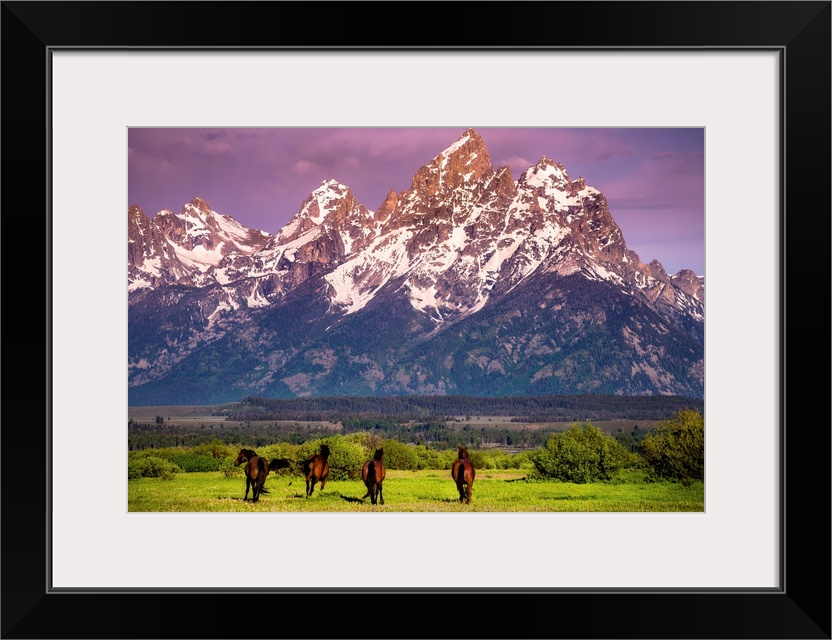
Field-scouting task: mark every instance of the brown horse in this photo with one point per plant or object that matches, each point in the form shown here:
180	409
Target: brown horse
256	471
373	474
316	469
280	463
462	472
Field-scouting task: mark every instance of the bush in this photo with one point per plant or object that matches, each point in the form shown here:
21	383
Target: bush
279	450
368	441
500	459
216	449
478	459
229	470
433	459
581	454
676	449
190	461
398	455
148	466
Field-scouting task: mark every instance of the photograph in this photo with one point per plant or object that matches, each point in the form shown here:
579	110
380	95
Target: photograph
414	319
392	316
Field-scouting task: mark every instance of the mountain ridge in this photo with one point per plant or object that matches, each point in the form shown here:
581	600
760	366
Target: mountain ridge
461	239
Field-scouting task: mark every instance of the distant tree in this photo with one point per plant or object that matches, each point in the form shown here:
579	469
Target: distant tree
400	456
676	449
581	454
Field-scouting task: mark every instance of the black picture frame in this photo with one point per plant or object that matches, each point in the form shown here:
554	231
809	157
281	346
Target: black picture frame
799	31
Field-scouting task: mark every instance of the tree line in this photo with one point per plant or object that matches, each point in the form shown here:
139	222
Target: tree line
558	408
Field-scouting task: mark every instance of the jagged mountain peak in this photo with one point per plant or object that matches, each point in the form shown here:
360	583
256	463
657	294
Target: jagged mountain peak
469	141
331	185
450	182
464	161
197	203
330	202
658	267
386	208
134	211
546	172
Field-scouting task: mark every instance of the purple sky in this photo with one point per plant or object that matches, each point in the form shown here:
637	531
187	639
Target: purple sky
653	179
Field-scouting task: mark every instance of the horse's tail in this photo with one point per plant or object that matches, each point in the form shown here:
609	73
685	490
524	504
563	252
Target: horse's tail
371	475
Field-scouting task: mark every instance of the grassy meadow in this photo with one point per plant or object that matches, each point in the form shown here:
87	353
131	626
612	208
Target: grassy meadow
428	490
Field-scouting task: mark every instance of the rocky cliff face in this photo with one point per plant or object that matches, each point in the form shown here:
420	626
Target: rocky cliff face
401	299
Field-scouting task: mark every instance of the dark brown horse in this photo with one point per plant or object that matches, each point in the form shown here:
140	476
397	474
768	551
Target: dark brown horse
373	474
281	463
462	472
316	469
256	471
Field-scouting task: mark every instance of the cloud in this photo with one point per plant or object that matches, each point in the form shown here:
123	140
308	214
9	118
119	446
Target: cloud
349	162
215	147
665	181
516	164
305	167
659	155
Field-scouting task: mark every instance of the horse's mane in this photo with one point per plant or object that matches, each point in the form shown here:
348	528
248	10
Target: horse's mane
379	455
325	451
245	455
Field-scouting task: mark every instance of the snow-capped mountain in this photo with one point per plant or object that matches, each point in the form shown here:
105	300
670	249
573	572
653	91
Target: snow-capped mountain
468	282
183	248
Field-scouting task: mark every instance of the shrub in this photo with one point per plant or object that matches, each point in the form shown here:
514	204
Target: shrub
368	441
398	455
190	461
676	449
581	454
279	450
500	459
478	459
216	449
433	459
229	470
148	466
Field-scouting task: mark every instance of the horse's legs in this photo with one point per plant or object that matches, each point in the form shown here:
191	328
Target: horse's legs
380	494
248	484
470	491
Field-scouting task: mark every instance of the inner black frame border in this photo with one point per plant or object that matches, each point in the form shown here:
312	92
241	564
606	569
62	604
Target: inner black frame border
799	31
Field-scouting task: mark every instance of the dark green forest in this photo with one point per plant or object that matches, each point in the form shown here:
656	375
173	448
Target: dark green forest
560	408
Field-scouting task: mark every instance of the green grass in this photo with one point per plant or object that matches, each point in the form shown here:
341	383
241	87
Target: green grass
414	491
